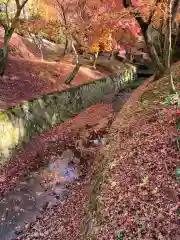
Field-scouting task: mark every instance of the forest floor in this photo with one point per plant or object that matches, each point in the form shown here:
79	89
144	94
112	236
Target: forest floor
27	77
129	189
138	194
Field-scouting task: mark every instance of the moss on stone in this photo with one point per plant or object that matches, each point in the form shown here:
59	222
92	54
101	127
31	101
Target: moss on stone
39	115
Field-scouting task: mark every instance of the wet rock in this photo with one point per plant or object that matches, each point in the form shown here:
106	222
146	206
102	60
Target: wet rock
18	230
98	141
38	216
58	190
27	226
52	203
45	205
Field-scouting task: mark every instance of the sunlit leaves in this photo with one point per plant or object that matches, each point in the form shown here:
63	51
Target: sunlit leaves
46	29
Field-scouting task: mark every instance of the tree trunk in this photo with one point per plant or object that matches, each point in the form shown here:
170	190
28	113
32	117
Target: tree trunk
76	68
152	53
173	10
38	41
175	46
110	56
25	12
95	59
73	74
144	25
76	53
173	89
42	54
5	51
65	47
69	47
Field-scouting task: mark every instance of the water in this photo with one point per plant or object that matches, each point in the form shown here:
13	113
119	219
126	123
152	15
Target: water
42	189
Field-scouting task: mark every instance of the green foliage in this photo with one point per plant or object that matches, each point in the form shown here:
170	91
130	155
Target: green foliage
136	83
178	174
3	15
7	11
44	74
115	54
60	37
172	99
14	50
35	16
120	234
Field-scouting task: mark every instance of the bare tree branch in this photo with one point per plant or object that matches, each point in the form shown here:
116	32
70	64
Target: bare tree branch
17	4
7	15
18	12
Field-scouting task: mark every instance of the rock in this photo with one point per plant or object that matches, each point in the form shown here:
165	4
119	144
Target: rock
68	153
18	230
58	190
38	216
52	203
41	234
45	205
46	233
36	234
46	218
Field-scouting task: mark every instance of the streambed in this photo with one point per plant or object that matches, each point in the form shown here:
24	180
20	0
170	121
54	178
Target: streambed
40	190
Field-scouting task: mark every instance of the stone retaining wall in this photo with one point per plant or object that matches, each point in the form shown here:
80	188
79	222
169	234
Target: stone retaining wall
19	124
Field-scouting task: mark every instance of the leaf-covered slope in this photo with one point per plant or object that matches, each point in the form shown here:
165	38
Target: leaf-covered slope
136	193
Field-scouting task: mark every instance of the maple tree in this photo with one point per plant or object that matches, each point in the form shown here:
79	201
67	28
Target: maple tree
74	19
9	20
146	15
96	26
75	22
112	27
47	29
63	17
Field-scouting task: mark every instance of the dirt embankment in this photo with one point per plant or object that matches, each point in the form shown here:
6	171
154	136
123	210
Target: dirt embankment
139	195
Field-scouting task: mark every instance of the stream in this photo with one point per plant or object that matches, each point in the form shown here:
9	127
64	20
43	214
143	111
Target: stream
45	188
40	190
